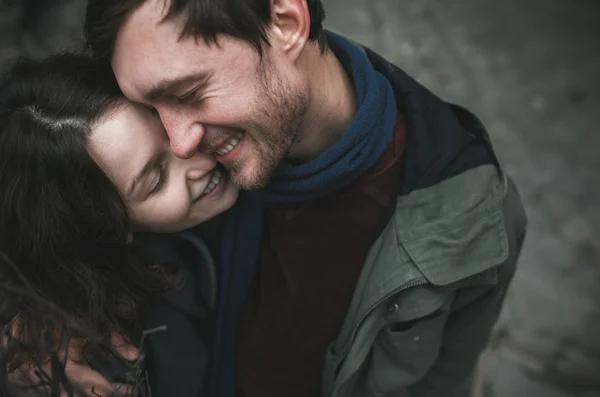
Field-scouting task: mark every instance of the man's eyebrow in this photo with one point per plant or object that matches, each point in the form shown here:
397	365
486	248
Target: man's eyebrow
162	87
153	163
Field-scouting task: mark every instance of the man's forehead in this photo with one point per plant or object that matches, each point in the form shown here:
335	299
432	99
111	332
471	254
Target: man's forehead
145	47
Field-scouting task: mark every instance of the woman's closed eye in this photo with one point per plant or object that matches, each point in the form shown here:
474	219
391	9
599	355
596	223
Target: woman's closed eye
160	179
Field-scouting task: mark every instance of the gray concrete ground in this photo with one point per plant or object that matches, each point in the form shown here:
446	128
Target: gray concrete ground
531	70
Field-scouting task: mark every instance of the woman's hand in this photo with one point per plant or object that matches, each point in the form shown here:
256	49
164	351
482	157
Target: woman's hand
84	380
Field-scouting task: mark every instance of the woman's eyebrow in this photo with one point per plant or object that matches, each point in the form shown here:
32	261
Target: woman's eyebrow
152	163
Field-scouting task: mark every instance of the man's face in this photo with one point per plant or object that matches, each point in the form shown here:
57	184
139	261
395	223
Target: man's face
222	100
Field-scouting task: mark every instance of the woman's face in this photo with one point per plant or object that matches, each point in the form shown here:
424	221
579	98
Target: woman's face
163	192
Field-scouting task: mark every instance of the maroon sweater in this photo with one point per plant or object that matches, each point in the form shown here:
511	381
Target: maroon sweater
311	256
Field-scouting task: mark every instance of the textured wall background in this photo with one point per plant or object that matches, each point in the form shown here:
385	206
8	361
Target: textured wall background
531	70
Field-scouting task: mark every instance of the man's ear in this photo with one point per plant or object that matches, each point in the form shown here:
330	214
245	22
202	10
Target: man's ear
290	26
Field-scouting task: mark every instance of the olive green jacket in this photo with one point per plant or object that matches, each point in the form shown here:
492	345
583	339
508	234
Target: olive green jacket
435	279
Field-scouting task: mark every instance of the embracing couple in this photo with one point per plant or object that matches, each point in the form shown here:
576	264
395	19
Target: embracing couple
304	217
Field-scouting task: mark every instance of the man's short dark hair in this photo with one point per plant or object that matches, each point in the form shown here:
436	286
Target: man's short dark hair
242	19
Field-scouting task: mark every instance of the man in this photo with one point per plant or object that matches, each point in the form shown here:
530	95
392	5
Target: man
373	248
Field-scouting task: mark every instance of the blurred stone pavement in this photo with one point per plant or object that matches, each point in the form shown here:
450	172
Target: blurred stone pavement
531	70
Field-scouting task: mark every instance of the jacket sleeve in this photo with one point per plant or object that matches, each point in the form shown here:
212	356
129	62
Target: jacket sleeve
472	317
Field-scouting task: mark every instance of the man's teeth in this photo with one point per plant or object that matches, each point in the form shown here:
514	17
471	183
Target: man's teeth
214	181
230	144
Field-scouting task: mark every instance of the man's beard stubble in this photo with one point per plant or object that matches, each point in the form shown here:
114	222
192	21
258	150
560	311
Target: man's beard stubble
281	109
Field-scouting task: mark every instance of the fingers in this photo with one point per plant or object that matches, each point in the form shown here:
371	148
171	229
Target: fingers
83	380
89	383
116	391
123	347
121	390
27	375
93	391
82	377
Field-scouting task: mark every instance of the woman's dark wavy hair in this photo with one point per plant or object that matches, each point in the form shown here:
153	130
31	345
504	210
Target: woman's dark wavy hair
242	19
61	218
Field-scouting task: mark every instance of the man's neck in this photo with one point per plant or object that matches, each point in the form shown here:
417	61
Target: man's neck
332	107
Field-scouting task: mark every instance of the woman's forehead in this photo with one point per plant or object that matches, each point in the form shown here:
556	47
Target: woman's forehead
124	141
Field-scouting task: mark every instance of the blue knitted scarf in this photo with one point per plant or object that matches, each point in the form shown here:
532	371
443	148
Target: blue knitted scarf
361	145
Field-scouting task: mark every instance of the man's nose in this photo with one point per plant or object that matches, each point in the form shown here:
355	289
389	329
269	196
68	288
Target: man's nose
184	137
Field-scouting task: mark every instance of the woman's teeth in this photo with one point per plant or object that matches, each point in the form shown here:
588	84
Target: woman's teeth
230	144
214	181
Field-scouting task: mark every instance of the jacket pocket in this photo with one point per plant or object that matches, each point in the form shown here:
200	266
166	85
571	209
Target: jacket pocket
403	353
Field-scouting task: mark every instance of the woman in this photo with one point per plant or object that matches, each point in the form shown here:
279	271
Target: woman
81	169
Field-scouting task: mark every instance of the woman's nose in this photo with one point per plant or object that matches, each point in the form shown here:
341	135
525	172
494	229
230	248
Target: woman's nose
195	174
198	165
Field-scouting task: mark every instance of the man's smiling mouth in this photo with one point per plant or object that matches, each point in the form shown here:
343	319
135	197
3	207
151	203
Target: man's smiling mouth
230	144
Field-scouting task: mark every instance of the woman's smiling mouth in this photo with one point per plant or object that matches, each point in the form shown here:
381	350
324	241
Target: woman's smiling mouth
214	182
